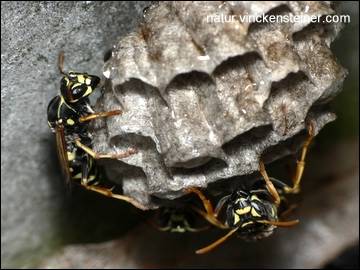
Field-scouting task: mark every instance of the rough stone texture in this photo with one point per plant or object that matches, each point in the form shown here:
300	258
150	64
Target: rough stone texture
203	101
32	34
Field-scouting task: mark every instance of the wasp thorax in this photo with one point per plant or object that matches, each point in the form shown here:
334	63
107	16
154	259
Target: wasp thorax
75	86
249	211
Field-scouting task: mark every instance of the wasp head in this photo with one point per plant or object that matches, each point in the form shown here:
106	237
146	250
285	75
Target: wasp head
249	212
76	86
176	220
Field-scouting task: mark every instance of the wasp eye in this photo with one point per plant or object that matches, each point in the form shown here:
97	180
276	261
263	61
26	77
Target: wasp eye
78	90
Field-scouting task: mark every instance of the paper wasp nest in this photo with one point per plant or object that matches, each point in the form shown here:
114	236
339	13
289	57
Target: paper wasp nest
203	99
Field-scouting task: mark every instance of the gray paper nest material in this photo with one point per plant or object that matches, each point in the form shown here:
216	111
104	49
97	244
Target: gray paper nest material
203	100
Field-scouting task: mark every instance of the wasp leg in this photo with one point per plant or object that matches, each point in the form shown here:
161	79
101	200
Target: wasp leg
210	218
207	204
96	155
99	115
108	192
301	163
288	211
209	215
89	173
86	178
85	169
217	242
269	185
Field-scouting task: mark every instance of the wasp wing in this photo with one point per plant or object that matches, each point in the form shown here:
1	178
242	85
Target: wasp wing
62	154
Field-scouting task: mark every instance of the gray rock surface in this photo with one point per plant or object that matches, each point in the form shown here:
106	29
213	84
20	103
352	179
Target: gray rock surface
32	34
204	100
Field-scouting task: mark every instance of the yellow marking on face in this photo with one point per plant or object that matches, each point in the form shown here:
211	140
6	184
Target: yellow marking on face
240	200
246	223
70	121
254	213
49	124
236	218
78	176
71	156
76	85
81	78
88	91
243	211
67	81
254	197
88	81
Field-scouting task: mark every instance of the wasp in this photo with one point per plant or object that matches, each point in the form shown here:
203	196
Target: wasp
253	212
177	219
69	114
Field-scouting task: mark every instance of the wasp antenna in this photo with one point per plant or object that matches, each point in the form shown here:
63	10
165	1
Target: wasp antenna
152	223
210	218
195	230
280	223
217	242
61	62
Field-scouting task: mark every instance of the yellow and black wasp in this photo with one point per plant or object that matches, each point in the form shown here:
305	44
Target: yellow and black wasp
253	212
178	219
69	114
